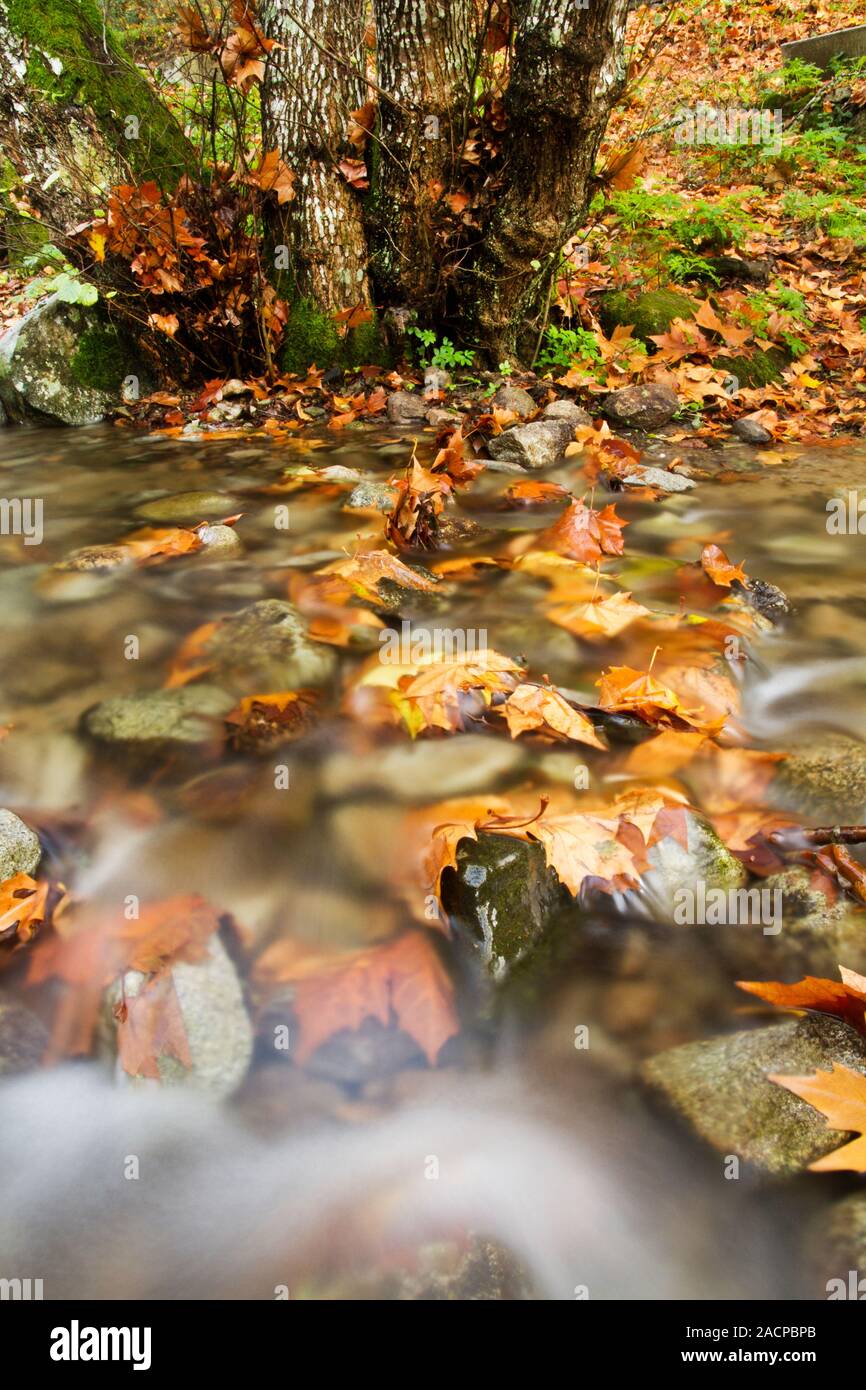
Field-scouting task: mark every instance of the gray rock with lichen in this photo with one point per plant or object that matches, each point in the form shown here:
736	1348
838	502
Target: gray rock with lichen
641	407
720	1087
514	398
827	782
20	850
39	367
676	867
815	935
536	445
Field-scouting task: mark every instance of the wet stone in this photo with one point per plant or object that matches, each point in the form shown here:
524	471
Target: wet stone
187	507
265	646
721	1089
641	407
537	445
407	408
828	783
814	936
20	850
23	1038
514	398
160	721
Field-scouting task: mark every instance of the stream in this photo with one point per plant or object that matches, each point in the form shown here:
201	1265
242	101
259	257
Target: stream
556	1175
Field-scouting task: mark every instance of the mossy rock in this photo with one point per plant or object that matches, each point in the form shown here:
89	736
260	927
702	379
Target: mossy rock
828	782
103	359
759	368
312	336
652	312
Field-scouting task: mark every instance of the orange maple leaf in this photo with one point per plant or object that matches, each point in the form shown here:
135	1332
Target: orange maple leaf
543	708
846	1000
582	533
840	1095
719	568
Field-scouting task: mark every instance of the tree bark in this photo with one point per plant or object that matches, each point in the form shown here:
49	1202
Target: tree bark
426	55
567	69
314	81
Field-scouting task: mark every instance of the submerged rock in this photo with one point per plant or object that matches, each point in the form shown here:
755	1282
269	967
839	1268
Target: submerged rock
182	507
63	362
160	722
720	1088
369	496
537	445
641	476
20	850
501	898
815	935
23	1038
677	868
426	770
836	1250
265	647
220	543
640	407
217	1026
767	599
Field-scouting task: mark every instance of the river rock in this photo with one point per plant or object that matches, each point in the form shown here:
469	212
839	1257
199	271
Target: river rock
815	936
676	868
640	476
501	898
220	543
766	599
160	722
514	398
180	508
20	850
61	362
265	647
828	783
215	1019
426	770
23	1038
537	445
751	431
640	407
720	1088
407	408
367	496
570	411
836	1250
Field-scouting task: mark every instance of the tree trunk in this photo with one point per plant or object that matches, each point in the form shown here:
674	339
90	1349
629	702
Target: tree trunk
426	57
76	113
314	81
566	71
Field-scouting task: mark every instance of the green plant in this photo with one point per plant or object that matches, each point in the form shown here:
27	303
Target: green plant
58	277
444	354
566	347
684	265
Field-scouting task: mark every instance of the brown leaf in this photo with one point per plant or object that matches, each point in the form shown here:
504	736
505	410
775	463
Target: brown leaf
840	1095
719	568
846	1000
542	708
582	533
149	1026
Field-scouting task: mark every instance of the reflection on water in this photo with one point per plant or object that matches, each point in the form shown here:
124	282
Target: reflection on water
302	1181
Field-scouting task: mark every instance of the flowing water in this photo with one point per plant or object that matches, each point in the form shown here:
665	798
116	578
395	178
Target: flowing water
318	1181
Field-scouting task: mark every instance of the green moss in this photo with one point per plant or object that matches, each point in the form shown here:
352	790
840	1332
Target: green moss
72	32
101	359
312	337
760	368
653	312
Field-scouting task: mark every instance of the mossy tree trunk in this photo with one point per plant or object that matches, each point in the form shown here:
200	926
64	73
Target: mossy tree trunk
76	113
314	81
560	67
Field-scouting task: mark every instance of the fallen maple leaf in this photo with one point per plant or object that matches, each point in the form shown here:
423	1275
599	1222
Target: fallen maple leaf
582	533
625	690
839	1095
365	570
273	175
404	977
846	1000
597	617
149	1026
261	722
542	708
719	568
23	907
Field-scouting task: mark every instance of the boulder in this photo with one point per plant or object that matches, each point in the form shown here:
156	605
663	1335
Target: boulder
537	445
676	868
721	1089
828	782
640	407
650	313
425	770
20	850
63	362
815	937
